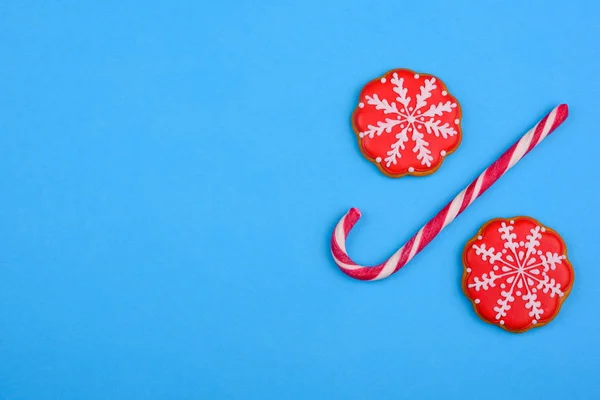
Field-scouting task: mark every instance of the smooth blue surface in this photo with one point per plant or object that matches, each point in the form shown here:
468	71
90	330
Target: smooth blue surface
170	175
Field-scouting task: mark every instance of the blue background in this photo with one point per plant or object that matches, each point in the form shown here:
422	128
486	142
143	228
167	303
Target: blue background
170	175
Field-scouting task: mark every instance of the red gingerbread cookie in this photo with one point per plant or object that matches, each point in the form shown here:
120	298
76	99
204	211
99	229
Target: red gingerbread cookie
407	123
517	274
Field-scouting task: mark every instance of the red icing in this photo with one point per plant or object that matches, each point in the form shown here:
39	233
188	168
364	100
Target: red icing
517	273
407	122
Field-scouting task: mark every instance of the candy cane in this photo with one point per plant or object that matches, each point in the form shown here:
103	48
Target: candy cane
453	209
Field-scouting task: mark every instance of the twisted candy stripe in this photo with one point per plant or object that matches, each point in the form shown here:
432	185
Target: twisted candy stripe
453	209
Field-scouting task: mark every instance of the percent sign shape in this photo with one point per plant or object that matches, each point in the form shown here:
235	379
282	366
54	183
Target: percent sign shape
452	210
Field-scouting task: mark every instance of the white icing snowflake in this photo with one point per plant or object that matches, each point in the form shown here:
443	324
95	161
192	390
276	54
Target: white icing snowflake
432	113
521	269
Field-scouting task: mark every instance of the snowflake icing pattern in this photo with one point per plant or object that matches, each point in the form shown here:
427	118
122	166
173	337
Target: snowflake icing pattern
407	123
517	273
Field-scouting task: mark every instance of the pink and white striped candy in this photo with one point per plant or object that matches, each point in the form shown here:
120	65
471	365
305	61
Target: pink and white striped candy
453	209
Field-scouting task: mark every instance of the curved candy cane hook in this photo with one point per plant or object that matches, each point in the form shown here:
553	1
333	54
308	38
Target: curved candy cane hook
453	209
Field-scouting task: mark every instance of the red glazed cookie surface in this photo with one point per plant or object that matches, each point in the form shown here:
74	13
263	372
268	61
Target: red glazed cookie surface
407	123
517	274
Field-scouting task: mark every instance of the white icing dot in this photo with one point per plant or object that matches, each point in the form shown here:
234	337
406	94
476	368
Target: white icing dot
563	257
501	322
543	229
521	243
443	153
518	292
453	105
410	129
495	268
410	108
457	121
477	301
361	104
362	134
533	321
399	117
512	221
534	290
422	119
444	93
416	76
411	169
378	159
468	269
502	286
383	80
539	253
401	125
479	237
503	251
